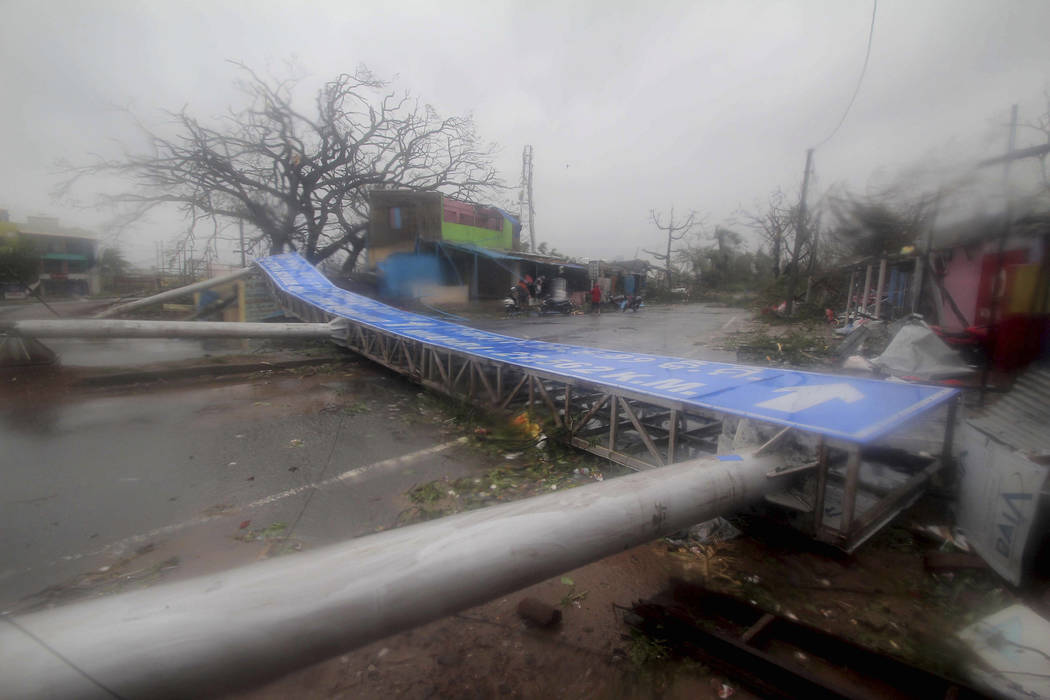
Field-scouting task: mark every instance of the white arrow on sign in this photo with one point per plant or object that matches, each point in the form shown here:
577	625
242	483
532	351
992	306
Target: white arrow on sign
799	398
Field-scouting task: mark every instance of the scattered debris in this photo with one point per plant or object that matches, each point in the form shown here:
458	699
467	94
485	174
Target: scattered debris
947	561
714	530
999	494
356	409
526	425
538	613
1014	648
916	351
272	531
855	335
944	536
725	690
857	363
295	442
573	597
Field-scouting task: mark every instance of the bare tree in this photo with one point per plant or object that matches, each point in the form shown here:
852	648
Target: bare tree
775	222
675	232
302	180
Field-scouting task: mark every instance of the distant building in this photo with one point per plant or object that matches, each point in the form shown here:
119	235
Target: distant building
399	220
427	246
68	256
985	286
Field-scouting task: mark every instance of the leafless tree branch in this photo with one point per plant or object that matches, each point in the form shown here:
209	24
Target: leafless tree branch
302	180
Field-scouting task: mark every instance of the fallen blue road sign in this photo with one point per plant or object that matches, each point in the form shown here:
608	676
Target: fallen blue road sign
856	410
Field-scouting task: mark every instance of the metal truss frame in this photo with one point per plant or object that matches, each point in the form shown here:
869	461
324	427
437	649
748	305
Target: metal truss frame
633	429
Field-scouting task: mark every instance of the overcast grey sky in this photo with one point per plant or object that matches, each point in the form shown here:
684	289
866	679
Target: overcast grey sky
629	106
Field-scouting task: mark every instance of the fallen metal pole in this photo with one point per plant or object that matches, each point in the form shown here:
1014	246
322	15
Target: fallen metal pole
241	627
97	328
175	293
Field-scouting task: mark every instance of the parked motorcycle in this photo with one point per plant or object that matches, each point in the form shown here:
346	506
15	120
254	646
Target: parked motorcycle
549	305
625	302
514	304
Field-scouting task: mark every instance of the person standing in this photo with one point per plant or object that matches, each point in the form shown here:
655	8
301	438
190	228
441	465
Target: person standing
596	298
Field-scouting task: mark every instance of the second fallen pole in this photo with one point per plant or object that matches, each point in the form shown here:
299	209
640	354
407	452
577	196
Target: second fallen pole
232	629
175	293
98	328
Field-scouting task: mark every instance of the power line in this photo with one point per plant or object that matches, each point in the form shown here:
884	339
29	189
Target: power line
324	470
860	80
10	620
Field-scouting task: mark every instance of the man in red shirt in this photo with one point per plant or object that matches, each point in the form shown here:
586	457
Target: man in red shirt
596	298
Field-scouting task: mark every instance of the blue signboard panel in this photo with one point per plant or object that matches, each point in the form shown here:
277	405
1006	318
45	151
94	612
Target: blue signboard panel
857	410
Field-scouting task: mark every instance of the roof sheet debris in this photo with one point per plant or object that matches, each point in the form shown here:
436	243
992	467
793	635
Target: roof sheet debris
1014	645
1019	419
916	351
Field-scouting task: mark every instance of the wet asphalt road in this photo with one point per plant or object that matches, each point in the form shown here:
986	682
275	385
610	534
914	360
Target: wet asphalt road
92	475
85	471
682	330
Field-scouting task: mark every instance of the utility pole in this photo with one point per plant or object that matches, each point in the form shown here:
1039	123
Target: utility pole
240	225
998	285
800	235
526	205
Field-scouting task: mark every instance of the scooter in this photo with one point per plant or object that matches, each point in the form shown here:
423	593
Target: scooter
548	305
624	302
512	305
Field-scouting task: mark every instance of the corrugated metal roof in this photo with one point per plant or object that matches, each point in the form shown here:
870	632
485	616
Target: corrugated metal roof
506	255
1021	418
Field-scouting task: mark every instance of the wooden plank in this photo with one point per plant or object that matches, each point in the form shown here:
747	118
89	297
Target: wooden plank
754	629
949	561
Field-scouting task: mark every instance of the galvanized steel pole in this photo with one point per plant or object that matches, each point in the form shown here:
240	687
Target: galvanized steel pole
238	628
98	328
175	293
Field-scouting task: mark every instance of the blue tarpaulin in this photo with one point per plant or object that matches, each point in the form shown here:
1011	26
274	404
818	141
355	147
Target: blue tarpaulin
857	410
